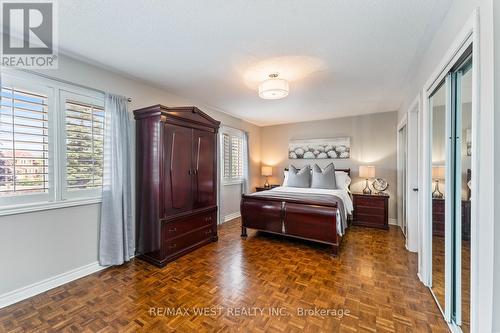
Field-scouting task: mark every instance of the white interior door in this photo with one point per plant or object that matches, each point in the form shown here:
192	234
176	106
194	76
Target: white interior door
408	177
412	180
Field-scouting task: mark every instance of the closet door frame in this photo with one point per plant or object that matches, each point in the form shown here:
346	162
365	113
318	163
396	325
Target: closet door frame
481	285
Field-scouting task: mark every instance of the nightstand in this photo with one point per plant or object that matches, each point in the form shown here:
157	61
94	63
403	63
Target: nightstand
371	210
262	188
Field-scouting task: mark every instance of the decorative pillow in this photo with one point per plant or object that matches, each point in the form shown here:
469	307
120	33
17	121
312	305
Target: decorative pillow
343	180
299	178
324	178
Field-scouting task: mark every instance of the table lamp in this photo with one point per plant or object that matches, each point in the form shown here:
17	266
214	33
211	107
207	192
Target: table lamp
437	175
266	171
367	171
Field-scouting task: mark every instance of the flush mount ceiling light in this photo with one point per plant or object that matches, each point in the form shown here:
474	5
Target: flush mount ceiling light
273	88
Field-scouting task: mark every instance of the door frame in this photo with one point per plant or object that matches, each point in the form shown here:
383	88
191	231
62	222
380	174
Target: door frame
481	285
401	192
412	123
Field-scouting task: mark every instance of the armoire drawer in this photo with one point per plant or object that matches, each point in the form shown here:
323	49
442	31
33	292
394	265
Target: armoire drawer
187	240
176	228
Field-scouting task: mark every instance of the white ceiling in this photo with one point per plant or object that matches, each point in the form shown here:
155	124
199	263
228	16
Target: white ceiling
342	58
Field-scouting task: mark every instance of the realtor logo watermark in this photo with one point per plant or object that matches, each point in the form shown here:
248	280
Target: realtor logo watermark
29	38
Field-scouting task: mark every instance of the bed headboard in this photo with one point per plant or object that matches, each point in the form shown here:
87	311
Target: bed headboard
348	171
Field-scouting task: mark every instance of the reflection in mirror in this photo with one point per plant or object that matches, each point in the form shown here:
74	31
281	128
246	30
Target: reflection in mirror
438	116
465	87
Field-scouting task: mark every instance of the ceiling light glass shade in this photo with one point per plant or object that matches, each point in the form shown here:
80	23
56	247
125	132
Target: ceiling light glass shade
273	88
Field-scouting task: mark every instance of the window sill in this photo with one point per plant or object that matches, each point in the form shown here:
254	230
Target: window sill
39	206
232	182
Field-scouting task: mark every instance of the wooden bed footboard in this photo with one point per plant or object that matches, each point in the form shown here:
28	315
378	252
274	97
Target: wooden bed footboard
289	217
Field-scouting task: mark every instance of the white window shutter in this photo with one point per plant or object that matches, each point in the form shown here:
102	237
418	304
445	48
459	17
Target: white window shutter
24	142
84	145
233	157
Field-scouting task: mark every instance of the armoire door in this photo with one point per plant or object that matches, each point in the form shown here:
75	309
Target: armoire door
178	172
204	183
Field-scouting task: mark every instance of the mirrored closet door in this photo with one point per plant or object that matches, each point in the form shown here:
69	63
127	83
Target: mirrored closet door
463	193
451	169
439	105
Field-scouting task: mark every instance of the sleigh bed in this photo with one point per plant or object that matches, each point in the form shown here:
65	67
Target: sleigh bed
311	214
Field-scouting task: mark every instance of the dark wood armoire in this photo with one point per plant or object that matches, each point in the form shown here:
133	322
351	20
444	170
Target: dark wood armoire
176	191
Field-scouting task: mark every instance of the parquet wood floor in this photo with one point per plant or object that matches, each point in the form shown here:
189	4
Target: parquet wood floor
374	278
438	277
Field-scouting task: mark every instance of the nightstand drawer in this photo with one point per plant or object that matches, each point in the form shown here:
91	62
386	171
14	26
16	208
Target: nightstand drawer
366	210
375	220
371	210
370	202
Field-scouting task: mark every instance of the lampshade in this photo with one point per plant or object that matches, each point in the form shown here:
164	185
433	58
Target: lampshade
468	136
273	88
438	172
367	171
267	171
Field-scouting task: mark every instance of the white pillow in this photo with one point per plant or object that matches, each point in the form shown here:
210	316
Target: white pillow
343	180
285	181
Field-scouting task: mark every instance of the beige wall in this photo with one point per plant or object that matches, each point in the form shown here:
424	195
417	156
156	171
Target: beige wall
52	242
373	142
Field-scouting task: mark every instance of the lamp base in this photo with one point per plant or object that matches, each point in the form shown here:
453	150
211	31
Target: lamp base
266	184
437	193
367	190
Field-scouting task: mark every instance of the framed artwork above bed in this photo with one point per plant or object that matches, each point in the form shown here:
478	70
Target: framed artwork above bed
334	148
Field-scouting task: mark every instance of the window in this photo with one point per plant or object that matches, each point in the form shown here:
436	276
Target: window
233	156
24	142
51	143
84	145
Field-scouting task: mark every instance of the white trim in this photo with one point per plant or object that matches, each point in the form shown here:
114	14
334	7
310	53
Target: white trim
47	284
39	206
399	169
481	238
52	82
232	182
231	216
232	131
413	176
57	196
448	163
63	192
393	221
467	35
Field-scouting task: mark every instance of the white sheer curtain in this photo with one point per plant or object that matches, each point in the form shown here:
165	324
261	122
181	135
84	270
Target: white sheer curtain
116	241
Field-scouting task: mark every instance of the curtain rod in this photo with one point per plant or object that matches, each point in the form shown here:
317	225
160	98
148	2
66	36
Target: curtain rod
65	81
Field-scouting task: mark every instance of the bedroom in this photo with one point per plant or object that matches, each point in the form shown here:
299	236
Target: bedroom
119	214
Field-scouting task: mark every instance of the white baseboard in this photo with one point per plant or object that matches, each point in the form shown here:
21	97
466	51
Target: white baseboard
47	284
393	221
231	216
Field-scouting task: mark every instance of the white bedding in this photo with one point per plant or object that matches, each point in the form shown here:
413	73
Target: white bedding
342	194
